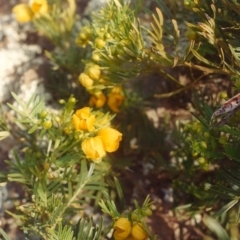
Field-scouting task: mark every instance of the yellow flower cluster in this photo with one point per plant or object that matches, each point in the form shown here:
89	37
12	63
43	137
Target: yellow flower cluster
26	12
114	99
92	78
125	230
105	140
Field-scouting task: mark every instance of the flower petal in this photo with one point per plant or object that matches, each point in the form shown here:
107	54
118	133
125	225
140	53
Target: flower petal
110	138
93	148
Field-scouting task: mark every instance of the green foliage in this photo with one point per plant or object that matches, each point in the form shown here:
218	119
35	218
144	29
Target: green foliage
86	230
199	156
56	176
4	133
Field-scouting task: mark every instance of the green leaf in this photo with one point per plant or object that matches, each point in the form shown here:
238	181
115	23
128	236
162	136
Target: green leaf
216	228
4	235
226	208
17	177
38	106
235	50
204	109
33	129
109	208
176	31
232	151
18	100
87	230
16	109
42	133
119	191
164	8
3	177
202	59
61	233
30	100
117	3
230	130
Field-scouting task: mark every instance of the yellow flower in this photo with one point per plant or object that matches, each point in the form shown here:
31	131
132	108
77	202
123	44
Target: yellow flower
83	120
97	100
115	99
85	80
22	13
122	229
110	138
138	233
94	72
39	7
93	148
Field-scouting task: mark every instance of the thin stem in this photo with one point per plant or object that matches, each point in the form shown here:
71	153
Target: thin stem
170	77
166	95
78	191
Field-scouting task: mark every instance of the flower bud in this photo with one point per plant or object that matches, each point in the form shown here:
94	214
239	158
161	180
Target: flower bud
134	216
223	95
201	160
62	101
108	36
47	124
46	166
43	114
83	36
206	135
194	154
96	57
72	100
57	119
99	43
222	140
146	212
203	144
94	72
85	80
67	130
